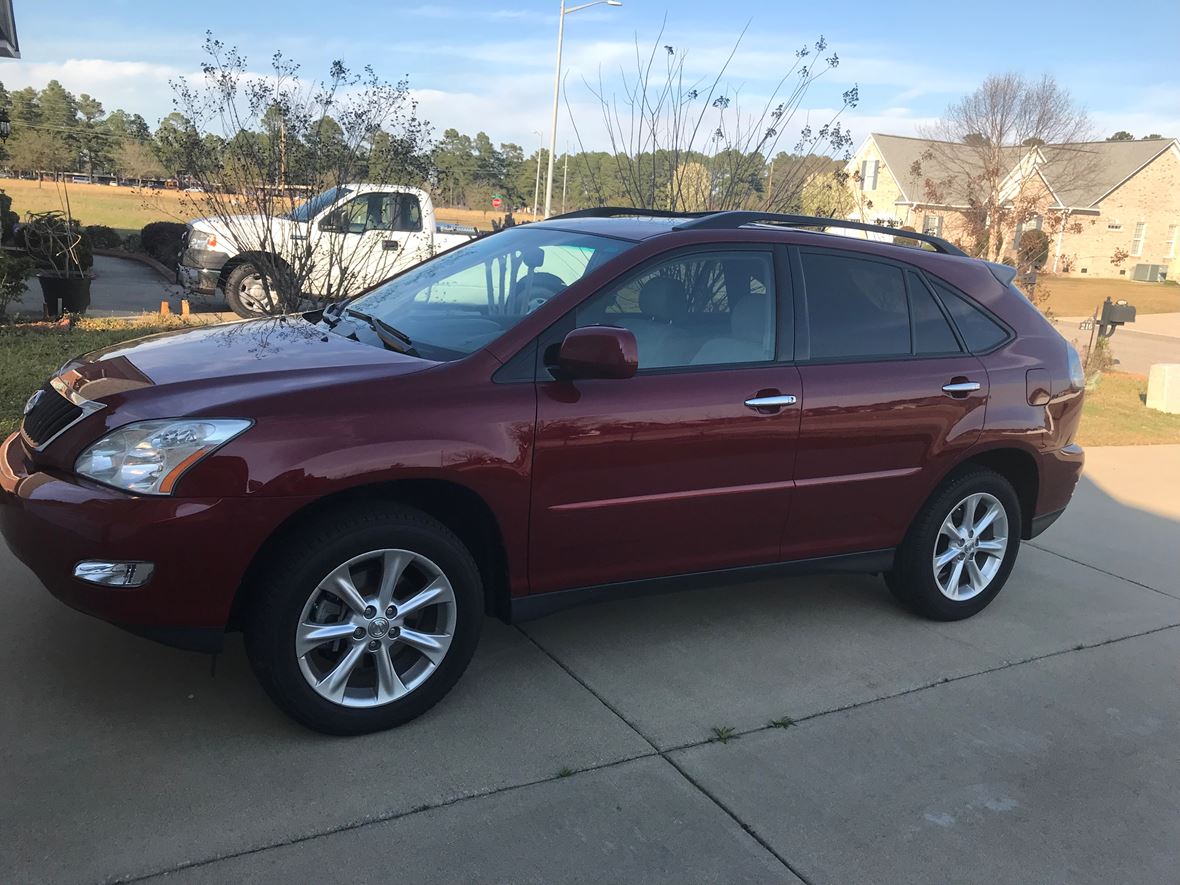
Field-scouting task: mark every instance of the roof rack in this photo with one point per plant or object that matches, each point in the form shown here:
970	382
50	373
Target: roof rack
625	211
733	219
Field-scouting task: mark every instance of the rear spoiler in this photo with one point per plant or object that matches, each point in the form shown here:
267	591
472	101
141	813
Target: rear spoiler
1002	272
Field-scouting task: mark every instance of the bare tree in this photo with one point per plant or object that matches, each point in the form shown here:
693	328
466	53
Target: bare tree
680	144
990	150
258	144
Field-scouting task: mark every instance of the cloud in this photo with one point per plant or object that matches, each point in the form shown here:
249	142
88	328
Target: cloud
138	87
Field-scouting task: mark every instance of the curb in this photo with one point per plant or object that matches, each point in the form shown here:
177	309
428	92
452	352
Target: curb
169	274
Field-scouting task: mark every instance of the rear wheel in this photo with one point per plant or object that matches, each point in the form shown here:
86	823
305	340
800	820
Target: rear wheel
366	621
960	550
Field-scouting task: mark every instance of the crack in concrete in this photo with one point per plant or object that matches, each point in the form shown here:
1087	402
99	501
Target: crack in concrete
1102	570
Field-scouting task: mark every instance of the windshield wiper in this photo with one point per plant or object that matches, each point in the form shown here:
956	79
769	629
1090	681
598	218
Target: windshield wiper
389	335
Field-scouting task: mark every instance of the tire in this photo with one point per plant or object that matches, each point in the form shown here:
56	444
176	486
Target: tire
364	542
237	294
924	577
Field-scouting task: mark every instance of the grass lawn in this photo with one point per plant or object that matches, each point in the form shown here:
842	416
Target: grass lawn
124	208
1077	297
1114	414
30	354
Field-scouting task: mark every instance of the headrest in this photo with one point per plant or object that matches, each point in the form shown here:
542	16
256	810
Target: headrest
663	298
749	318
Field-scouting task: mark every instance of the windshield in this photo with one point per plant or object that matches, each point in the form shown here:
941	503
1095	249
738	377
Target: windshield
460	301
307	211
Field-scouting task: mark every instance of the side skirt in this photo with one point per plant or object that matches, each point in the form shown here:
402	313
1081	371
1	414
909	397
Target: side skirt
526	608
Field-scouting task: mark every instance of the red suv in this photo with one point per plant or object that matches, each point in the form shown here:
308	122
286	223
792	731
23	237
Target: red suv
613	401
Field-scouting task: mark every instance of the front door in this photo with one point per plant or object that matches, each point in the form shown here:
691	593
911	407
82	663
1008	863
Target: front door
890	400
687	466
367	239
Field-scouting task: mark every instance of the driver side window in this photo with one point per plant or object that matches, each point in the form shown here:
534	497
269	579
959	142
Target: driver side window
380	211
716	308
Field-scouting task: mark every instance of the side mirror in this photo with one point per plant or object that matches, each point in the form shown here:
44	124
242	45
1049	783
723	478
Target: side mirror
599	352
333	222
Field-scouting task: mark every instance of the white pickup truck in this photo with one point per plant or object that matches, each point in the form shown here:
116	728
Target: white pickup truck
348	238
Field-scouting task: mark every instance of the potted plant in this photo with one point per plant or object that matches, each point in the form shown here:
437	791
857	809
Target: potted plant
63	254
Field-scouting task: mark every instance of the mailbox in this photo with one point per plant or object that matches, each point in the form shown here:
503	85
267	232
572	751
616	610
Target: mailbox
1115	314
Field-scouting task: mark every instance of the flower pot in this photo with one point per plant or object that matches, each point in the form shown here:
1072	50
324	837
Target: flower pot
65	294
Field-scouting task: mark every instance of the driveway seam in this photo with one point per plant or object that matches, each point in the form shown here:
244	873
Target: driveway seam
655	752
746	828
1102	570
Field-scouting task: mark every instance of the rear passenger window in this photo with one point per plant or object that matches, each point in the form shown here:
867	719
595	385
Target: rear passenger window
856	308
932	332
979	330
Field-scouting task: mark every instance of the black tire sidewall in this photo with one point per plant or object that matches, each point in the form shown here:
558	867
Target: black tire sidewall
912	580
279	602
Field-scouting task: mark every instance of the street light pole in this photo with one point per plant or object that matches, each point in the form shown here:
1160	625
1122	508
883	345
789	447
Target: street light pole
557	93
537	183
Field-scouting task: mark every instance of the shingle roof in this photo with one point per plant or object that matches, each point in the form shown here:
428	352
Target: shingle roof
1078	174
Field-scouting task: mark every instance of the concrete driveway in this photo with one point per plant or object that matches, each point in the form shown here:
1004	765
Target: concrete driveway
1037	742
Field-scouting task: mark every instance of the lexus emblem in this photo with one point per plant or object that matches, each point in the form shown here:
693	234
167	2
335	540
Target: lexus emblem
31	402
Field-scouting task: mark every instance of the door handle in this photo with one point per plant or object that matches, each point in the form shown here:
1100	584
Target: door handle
960	388
390	245
770	402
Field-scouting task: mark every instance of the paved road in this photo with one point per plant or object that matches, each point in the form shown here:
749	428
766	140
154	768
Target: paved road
121	287
1154	338
1034	743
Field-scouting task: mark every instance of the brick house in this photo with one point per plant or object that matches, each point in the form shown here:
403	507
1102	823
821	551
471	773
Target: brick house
1110	208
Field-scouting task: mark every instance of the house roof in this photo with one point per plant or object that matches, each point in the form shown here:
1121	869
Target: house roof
1079	175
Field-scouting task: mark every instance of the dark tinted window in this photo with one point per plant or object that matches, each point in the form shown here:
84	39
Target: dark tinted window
979	330
856	308
932	332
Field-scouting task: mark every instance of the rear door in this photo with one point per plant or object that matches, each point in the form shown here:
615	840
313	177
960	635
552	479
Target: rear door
891	398
678	469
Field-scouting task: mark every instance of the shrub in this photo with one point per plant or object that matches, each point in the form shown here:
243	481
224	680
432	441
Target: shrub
1034	248
14	270
8	219
161	240
103	237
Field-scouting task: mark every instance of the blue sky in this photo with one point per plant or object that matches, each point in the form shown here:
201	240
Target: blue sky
489	65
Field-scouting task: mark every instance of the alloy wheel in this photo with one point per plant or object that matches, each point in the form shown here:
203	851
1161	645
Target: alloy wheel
376	628
970	546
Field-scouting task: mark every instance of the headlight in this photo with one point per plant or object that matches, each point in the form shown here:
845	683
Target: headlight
200	239
149	457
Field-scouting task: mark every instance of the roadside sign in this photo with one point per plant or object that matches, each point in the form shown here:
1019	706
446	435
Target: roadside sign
497	201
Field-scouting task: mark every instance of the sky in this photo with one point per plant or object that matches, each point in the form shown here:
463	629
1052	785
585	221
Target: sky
489	65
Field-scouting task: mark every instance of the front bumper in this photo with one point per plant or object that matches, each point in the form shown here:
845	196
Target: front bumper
202	280
201	547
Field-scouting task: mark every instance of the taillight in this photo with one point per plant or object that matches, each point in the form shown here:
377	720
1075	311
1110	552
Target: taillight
1077	375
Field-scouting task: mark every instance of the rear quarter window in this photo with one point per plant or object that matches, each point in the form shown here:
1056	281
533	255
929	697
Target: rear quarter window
980	332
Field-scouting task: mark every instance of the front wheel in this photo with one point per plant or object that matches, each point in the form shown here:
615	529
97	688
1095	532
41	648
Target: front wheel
365	620
960	550
248	295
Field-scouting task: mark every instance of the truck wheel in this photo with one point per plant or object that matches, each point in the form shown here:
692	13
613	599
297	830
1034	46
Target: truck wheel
246	294
960	550
365	620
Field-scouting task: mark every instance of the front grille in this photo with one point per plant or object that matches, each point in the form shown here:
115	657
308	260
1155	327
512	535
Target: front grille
52	414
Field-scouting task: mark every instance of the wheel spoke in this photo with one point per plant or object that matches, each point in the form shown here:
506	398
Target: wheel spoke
311	636
393	564
335	683
987	519
975	576
994	547
950	529
340	583
941	559
952	584
438	590
389	684
433	645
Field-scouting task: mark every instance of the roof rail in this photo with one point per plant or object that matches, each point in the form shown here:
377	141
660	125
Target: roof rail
624	211
735	219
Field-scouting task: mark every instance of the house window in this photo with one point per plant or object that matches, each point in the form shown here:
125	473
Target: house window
1114	225
1170	251
932	224
1137	240
1033	223
868	174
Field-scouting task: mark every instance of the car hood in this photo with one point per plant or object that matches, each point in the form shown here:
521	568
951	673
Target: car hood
275	352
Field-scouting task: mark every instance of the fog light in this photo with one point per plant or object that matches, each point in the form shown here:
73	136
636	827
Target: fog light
114	574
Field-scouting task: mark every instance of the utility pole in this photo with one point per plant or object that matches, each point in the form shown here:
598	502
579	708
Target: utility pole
565	177
537	185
